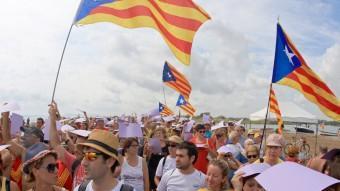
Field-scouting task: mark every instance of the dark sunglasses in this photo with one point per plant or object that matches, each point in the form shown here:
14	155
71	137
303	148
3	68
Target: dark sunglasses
251	156
172	145
201	131
91	156
51	168
219	135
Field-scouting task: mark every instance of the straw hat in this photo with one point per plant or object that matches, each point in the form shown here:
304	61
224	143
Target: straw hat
102	141
34	153
175	139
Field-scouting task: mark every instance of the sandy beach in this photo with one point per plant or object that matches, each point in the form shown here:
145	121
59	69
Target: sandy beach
330	141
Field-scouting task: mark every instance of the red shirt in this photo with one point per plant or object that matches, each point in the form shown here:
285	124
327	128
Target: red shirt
202	161
79	173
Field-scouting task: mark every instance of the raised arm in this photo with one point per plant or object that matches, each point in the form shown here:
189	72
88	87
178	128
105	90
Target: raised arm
16	149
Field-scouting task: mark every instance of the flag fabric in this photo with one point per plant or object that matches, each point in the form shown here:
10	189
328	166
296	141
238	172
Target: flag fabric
274	108
291	69
185	105
176	20
165	110
176	80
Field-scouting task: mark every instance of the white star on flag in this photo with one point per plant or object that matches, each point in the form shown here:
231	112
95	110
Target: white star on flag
181	101
289	55
169	75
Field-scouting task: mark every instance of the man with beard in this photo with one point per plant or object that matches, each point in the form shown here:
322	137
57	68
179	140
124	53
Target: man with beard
185	176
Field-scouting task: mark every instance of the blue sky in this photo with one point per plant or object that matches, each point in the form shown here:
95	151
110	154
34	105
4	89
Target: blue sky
108	69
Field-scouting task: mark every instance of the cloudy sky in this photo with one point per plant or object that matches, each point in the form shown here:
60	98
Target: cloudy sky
108	69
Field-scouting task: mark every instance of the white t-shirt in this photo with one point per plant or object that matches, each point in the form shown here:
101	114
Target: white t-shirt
174	180
89	187
170	163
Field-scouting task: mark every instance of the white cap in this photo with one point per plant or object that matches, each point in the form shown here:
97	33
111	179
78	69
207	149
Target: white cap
66	128
2	147
218	126
81	132
79	120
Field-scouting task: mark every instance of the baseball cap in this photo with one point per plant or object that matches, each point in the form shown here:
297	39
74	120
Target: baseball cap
34	131
275	140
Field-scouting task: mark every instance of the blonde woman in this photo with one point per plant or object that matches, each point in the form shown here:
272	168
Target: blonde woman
216	178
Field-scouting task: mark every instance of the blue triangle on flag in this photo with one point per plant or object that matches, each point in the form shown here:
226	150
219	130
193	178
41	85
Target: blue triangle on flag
167	74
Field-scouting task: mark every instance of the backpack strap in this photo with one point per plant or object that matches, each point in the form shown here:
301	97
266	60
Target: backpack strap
126	187
166	156
74	166
8	184
83	185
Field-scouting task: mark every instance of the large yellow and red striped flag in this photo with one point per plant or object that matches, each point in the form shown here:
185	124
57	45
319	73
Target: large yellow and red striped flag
291	69
185	105
274	108
176	20
164	110
175	80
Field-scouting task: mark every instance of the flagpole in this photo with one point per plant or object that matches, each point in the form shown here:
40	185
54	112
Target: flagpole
164	96
61	60
62	54
265	120
316	137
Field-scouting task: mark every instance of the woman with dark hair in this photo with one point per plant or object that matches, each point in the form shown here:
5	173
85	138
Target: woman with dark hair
134	169
40	167
154	158
216	178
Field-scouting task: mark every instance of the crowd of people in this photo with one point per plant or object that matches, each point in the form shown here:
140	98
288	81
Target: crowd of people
89	154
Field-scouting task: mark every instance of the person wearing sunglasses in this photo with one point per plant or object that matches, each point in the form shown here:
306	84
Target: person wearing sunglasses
168	162
252	153
100	163
203	148
134	170
71	161
41	168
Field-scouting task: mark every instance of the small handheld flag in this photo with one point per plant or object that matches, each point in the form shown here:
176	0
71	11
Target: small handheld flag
185	105
165	110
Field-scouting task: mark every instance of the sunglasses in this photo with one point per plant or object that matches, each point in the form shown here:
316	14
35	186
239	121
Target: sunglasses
201	131
51	168
91	156
219	135
251	156
172	145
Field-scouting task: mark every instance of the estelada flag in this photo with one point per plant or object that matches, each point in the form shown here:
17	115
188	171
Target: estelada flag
164	110
175	80
185	105
291	69
176	20
274	108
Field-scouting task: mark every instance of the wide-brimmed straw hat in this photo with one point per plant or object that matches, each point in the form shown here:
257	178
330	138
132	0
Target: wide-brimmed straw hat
175	139
34	153
102	141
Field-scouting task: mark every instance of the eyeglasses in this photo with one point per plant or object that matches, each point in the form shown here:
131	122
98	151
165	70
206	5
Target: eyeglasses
134	145
219	136
91	156
251	156
201	131
51	167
